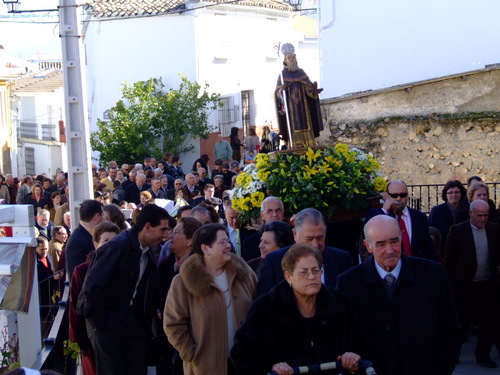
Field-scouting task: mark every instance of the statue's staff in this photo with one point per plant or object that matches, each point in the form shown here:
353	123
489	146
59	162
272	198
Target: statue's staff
286	48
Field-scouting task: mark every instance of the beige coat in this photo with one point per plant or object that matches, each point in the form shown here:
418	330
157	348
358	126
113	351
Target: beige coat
195	313
55	250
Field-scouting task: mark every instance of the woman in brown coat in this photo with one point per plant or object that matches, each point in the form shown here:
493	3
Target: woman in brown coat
207	302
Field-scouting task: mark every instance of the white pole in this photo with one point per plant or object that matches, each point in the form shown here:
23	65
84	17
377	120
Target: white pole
77	127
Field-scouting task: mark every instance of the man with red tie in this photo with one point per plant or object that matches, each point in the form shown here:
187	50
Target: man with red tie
414	226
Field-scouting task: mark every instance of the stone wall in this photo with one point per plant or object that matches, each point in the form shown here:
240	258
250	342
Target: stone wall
425	132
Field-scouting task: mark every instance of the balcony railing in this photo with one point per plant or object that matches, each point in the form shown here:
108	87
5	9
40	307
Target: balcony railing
32	130
424	197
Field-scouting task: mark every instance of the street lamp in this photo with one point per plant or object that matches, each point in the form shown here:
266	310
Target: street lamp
296	4
12	5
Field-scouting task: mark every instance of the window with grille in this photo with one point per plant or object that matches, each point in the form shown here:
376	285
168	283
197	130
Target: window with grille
245	109
226	115
29	157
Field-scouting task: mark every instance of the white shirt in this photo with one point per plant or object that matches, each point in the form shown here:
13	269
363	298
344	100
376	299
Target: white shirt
383	273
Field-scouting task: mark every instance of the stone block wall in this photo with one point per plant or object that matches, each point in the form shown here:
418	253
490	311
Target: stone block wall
424	132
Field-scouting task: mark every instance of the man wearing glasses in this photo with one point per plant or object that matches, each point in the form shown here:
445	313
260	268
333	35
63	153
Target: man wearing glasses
271	209
413	223
310	228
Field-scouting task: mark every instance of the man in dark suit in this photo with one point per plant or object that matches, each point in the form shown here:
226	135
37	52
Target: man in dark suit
208	192
80	242
414	226
309	228
133	191
202	173
172	193
471	265
272	209
402	305
44	225
117	297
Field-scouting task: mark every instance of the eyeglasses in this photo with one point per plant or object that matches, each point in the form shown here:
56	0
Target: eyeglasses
270	211
401	195
223	242
452	192
304	274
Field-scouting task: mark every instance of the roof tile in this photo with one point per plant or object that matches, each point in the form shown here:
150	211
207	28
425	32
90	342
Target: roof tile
131	8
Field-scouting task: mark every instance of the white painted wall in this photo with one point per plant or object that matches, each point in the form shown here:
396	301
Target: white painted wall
42	108
368	45
34	107
230	48
136	49
48	158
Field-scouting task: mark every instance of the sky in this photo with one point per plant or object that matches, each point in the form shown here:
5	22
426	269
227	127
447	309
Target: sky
22	35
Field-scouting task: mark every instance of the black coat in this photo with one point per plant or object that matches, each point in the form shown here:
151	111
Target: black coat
111	281
250	247
414	332
461	261
79	245
132	192
275	331
442	218
46	232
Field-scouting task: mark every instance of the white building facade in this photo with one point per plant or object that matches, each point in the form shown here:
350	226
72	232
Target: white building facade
370	45
229	46
37	115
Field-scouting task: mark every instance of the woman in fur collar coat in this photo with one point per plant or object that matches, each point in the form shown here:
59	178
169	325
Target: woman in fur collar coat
207	302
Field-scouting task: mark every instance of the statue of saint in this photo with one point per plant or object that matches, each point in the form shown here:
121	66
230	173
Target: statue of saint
297	103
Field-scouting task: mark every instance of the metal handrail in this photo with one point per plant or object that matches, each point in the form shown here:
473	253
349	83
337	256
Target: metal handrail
425	196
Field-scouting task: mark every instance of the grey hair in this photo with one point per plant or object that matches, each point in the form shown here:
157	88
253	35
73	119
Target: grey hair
269	199
309	215
477	203
43	212
199	209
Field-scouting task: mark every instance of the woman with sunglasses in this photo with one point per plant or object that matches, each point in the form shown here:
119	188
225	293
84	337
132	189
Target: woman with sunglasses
299	322
207	302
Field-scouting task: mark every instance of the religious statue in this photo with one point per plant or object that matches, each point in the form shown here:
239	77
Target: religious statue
297	103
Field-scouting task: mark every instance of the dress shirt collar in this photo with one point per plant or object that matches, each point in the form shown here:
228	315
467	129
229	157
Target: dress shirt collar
383	272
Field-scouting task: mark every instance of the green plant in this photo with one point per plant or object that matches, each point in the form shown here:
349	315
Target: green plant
148	120
326	179
71	350
9	350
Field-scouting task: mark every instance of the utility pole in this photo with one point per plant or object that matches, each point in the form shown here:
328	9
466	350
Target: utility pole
77	127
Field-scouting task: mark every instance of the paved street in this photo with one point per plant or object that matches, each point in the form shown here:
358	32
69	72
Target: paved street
467	365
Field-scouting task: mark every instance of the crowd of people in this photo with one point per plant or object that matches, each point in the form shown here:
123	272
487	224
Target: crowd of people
191	289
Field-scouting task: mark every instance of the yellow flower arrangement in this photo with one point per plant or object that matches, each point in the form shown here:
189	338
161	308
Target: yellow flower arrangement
326	179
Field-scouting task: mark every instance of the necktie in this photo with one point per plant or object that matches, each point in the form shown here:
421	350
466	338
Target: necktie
141	298
389	279
404	234
237	244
